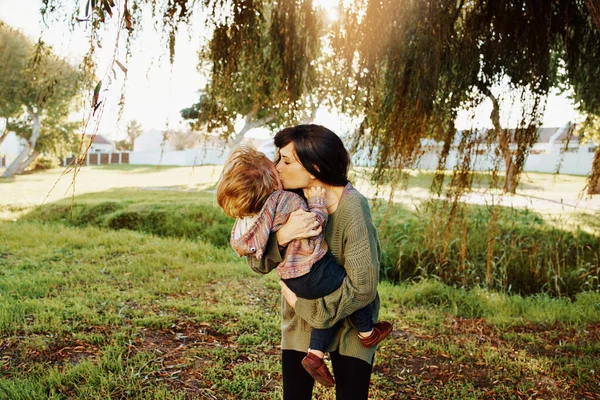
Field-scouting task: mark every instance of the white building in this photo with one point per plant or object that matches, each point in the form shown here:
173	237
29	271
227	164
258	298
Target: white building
154	148
101	144
151	140
557	149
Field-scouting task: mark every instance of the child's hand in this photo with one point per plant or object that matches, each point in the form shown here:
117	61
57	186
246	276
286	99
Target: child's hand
315	191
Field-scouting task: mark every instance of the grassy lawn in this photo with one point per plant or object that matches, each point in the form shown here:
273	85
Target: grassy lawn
93	311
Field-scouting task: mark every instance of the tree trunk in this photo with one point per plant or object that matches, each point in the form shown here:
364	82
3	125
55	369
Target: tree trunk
309	117
503	135
594	178
249	124
594	8
510	182
28	154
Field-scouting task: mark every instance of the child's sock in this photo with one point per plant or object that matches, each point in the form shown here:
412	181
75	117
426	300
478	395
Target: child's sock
364	335
317	353
380	331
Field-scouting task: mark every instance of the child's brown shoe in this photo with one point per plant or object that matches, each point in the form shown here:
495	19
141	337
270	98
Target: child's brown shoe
317	368
380	331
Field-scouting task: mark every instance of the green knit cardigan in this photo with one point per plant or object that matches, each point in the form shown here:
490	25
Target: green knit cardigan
352	239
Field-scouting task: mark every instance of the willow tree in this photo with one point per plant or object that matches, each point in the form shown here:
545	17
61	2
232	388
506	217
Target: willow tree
259	58
422	61
38	92
582	56
406	66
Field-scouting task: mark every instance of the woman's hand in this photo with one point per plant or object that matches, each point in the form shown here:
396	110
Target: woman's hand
290	296
300	225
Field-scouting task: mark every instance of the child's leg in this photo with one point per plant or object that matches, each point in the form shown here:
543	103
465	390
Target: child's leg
363	320
370	334
313	362
320	339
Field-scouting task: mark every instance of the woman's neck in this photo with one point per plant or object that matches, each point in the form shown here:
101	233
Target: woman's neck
333	194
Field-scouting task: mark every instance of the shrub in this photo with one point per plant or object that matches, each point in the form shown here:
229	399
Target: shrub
45	161
521	252
165	219
511	250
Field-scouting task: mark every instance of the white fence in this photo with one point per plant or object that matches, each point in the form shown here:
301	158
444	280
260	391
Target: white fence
182	158
576	160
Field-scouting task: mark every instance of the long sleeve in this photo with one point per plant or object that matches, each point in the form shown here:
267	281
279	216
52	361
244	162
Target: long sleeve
318	205
358	241
271	258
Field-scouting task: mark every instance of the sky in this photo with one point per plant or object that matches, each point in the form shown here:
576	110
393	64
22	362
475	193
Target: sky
156	90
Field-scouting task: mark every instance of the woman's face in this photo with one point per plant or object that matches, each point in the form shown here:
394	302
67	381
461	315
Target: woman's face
292	173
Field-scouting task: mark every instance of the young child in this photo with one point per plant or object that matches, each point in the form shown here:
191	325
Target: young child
250	191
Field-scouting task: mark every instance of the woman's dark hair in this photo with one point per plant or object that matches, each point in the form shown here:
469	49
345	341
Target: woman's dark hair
319	150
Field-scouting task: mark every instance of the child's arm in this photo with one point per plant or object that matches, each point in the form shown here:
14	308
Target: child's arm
269	261
317	204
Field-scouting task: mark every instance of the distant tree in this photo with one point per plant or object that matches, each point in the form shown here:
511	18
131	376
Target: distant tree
42	94
13	57
133	130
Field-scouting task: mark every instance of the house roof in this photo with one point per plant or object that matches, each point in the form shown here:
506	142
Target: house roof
566	134
99	139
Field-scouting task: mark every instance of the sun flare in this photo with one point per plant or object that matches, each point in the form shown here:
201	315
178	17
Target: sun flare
330	7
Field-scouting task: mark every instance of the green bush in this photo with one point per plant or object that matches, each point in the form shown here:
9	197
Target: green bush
454	245
45	161
525	254
165	219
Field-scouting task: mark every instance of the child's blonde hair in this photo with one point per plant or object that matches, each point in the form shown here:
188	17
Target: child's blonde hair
247	180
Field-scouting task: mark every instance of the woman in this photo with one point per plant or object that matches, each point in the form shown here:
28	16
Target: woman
311	155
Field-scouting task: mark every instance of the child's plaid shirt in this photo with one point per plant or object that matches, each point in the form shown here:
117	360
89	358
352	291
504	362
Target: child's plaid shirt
300	254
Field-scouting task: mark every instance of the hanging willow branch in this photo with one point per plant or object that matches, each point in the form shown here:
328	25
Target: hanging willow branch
406	66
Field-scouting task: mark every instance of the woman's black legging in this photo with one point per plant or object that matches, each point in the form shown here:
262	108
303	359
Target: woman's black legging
352	377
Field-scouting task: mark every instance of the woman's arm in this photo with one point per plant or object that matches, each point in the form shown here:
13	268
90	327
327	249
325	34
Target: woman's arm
300	225
359	288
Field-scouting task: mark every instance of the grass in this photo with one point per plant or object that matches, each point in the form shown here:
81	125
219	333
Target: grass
92	312
515	249
96	313
48	186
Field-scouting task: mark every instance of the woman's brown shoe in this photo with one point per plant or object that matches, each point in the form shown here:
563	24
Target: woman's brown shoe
380	331
317	368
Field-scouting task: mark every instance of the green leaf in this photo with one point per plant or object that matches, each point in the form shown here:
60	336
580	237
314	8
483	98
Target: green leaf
96	94
97	88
